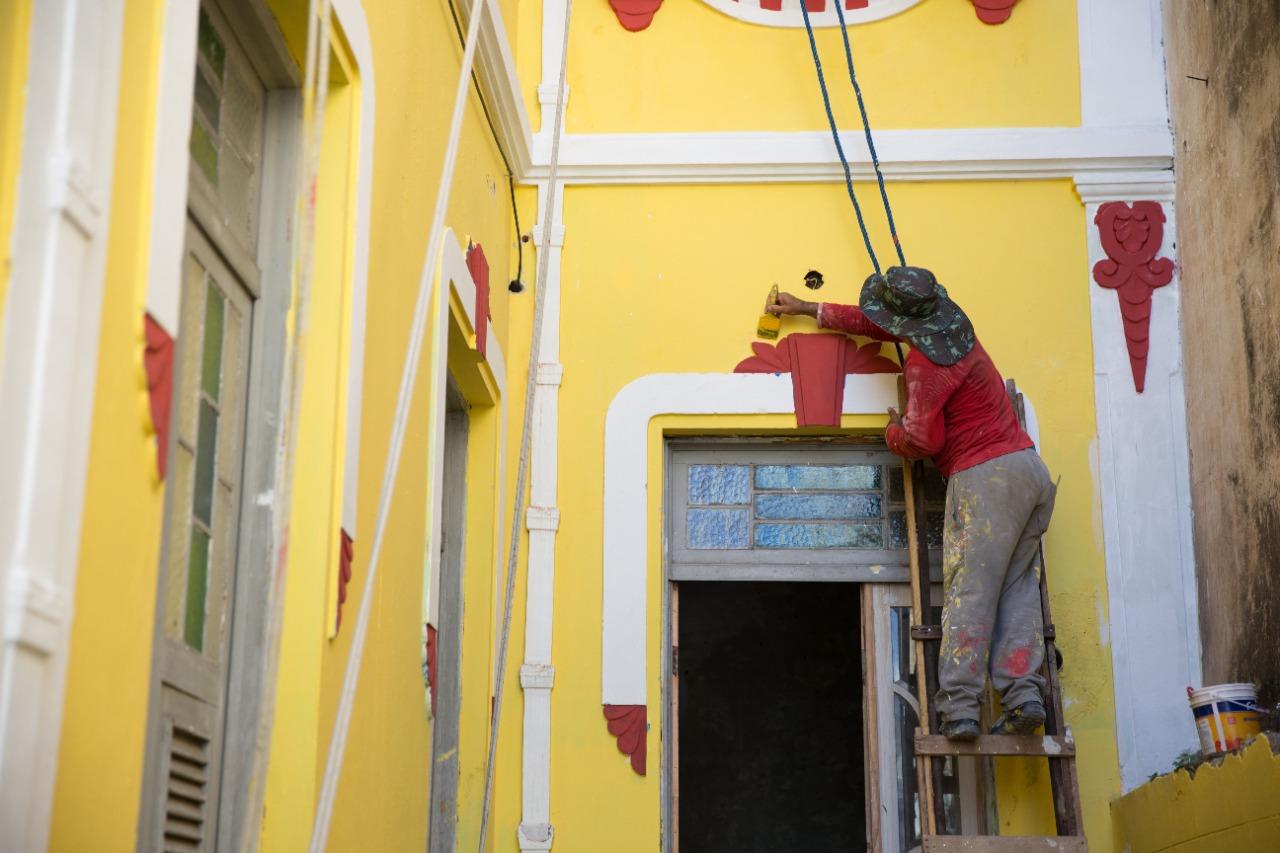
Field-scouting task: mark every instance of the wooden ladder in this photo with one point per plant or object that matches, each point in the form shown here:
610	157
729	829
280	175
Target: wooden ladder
1057	744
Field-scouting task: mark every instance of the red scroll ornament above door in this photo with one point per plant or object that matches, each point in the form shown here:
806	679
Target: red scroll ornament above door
818	364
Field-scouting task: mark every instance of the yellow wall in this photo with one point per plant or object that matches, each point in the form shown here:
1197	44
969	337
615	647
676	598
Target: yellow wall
934	65
382	797
1235	806
109	670
15	24
671	279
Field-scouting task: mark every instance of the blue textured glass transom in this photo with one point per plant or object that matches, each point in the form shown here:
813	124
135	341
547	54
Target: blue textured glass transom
719	528
719	484
812	477
805	507
791	536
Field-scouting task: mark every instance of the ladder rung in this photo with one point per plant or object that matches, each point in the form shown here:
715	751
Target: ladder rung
934	632
1054	746
1004	844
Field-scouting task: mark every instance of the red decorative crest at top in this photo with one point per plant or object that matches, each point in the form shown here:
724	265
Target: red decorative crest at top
818	364
635	15
994	11
1131	237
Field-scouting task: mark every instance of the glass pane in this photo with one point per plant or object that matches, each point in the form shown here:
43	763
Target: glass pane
211	369
197	587
818	477
818	536
898	530
934	521
933	528
211	46
207	99
204	151
719	528
897	493
202	499
817	506
719	484
175	590
935	488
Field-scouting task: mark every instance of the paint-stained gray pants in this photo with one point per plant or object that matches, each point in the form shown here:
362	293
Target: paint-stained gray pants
996	513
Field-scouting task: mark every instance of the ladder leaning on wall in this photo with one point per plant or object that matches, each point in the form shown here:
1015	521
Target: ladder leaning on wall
1057	744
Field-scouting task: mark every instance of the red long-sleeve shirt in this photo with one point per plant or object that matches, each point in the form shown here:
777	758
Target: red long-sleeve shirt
958	414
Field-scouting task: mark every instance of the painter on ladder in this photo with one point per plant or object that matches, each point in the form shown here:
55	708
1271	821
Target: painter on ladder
999	494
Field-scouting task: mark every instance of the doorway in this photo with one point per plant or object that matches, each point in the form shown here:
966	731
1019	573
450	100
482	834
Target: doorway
770	717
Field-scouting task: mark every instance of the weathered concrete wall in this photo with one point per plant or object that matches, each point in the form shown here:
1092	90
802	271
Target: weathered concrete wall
1227	134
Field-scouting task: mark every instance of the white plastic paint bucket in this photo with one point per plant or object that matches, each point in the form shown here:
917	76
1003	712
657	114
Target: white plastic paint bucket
1226	715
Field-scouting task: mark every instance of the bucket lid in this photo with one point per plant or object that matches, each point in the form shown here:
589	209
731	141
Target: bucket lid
1239	692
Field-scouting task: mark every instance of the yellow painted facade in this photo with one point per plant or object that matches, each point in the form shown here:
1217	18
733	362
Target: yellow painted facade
656	277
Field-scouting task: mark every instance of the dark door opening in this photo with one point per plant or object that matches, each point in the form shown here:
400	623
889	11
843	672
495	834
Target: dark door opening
769	705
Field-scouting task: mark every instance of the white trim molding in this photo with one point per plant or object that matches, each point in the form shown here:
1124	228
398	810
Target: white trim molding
753	12
905	155
1143	478
626	489
47	379
542	521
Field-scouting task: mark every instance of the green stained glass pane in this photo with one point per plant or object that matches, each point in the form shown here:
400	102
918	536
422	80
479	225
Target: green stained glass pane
206	445
211	369
790	536
211	46
818	477
197	589
204	151
207	100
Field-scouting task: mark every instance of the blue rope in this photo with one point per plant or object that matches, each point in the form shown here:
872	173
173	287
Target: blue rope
835	135
866	126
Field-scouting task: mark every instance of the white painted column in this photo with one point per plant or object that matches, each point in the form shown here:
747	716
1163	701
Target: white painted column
537	675
47	374
1143	464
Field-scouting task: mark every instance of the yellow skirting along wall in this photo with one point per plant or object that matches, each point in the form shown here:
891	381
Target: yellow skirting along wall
1233	807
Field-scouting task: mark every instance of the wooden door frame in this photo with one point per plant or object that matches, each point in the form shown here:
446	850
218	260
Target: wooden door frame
268	276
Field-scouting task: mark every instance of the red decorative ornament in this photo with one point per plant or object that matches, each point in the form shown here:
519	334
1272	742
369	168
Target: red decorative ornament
478	266
994	11
818	364
157	360
630	725
432	645
346	553
1132	237
635	15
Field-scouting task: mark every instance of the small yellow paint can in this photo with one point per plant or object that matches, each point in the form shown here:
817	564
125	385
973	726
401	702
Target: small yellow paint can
1226	715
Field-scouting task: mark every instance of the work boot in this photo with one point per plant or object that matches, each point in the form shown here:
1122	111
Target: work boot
1022	720
960	729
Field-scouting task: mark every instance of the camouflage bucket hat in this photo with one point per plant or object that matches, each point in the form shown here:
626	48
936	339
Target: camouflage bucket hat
908	302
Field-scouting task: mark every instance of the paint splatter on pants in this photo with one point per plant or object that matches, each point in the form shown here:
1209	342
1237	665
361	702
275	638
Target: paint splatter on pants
996	513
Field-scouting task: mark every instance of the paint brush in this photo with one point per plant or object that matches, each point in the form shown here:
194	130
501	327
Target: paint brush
769	324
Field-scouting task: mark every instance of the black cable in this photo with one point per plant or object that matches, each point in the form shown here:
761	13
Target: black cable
517	284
